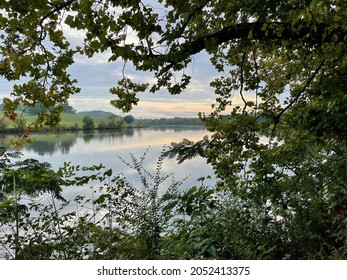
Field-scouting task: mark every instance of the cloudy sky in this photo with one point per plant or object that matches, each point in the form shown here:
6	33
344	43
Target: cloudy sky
96	76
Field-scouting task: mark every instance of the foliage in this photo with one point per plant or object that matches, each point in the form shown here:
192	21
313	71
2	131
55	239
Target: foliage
3	124
112	122
153	219
120	220
20	122
39	108
278	143
88	123
128	119
250	36
69	121
30	178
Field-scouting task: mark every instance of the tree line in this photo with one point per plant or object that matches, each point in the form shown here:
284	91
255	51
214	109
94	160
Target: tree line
169	121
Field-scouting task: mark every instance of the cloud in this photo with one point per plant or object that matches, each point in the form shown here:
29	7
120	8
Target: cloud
96	76
5	88
74	36
145	109
170	109
98	58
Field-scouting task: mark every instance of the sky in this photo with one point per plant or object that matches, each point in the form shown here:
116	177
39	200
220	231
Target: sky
96	76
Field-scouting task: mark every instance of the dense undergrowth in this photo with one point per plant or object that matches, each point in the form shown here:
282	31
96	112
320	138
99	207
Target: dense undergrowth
153	219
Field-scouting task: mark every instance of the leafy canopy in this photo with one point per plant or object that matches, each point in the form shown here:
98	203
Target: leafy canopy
265	43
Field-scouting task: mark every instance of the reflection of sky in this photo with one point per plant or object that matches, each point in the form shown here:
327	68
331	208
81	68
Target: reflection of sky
106	148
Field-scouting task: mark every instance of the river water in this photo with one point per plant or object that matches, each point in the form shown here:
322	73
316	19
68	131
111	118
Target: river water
86	149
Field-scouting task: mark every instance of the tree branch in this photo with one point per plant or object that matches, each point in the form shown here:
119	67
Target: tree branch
56	9
296	98
306	33
276	30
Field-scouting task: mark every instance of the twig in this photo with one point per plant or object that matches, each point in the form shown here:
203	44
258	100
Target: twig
295	99
242	81
56	9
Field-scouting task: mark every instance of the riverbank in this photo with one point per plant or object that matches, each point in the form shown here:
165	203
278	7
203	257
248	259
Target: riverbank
99	122
68	122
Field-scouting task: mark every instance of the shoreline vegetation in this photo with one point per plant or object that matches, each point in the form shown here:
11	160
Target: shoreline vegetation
92	121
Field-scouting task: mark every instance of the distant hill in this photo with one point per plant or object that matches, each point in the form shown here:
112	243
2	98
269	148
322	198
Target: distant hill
98	114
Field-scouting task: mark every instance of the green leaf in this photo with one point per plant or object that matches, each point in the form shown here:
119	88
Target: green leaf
108	173
212	250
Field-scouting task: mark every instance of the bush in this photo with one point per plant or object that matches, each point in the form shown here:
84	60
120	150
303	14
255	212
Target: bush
88	123
129	119
114	122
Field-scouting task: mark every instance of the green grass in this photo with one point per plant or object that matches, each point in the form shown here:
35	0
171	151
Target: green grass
68	120
71	120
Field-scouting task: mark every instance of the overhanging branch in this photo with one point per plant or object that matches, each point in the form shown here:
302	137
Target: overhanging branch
56	9
314	34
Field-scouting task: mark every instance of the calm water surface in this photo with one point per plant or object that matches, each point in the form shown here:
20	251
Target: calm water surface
88	149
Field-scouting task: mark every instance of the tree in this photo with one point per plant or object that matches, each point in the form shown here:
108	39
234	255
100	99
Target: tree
114	122
168	36
88	123
280	152
25	178
102	124
129	119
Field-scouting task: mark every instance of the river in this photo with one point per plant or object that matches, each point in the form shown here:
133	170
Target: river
86	149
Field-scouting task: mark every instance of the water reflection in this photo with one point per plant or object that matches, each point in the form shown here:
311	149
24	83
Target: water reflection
42	147
106	147
69	142
62	143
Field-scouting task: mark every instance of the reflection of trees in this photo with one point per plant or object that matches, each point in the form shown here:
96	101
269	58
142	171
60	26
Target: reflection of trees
52	143
87	136
177	128
3	140
55	145
111	135
42	147
65	146
114	135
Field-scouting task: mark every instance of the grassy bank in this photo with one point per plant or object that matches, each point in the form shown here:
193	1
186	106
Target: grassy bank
74	122
68	121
